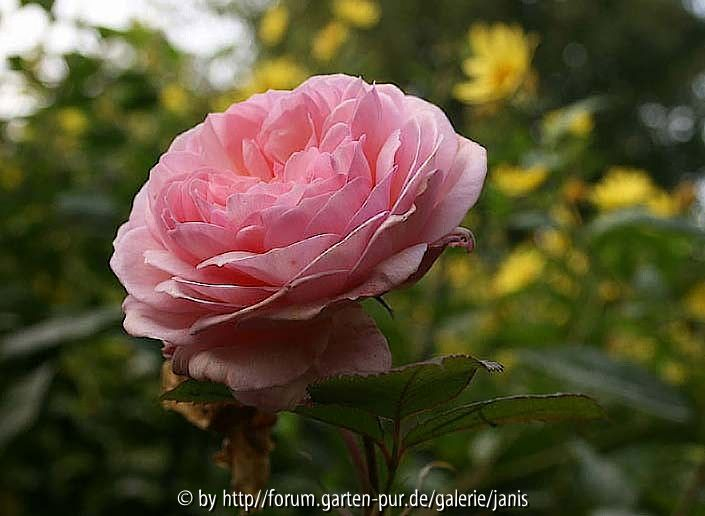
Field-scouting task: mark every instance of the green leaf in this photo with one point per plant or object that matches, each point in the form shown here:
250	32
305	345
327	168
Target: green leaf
503	411
194	391
21	402
640	218
355	420
402	391
596	372
53	332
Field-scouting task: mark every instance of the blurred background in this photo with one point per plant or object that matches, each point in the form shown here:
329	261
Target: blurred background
589	273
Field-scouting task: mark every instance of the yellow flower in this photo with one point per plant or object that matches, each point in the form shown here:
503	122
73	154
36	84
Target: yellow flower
554	242
500	63
174	98
634	347
686	341
674	372
518	270
564	215
280	73
517	181
609	291
273	25
468	277
358	13
576	119
695	301
578	262
329	40
563	284
72	120
622	188
662	204
581	123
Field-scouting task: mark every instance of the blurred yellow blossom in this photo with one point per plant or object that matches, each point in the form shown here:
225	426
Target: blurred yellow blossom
609	290
674	372
662	204
631	346
622	187
273	25
578	261
581	123
517	181
468	277
554	242
72	120
686	341
519	269
500	63
174	98
695	301
564	215
328	41
563	283
577	120
280	73
358	13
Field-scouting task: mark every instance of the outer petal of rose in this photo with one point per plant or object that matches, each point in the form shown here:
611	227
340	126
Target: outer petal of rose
356	345
460	191
325	276
278	266
138	277
280	397
235	295
259	355
143	320
460	237
274	371
391	273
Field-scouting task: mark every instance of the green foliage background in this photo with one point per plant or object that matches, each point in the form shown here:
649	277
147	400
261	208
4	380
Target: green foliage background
611	313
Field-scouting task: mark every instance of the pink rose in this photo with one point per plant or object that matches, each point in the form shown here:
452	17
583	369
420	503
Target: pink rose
258	230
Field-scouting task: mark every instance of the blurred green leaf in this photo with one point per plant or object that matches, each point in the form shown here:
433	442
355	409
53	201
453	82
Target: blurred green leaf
402	391
22	401
639	218
358	421
194	391
595	371
603	477
53	332
503	411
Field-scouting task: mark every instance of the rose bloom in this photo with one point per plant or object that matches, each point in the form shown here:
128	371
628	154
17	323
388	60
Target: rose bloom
258	231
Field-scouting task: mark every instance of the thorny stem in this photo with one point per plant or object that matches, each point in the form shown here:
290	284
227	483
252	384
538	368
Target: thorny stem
356	456
371	460
393	460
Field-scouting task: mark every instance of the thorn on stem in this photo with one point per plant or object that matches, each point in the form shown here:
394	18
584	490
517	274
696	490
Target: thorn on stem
386	306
